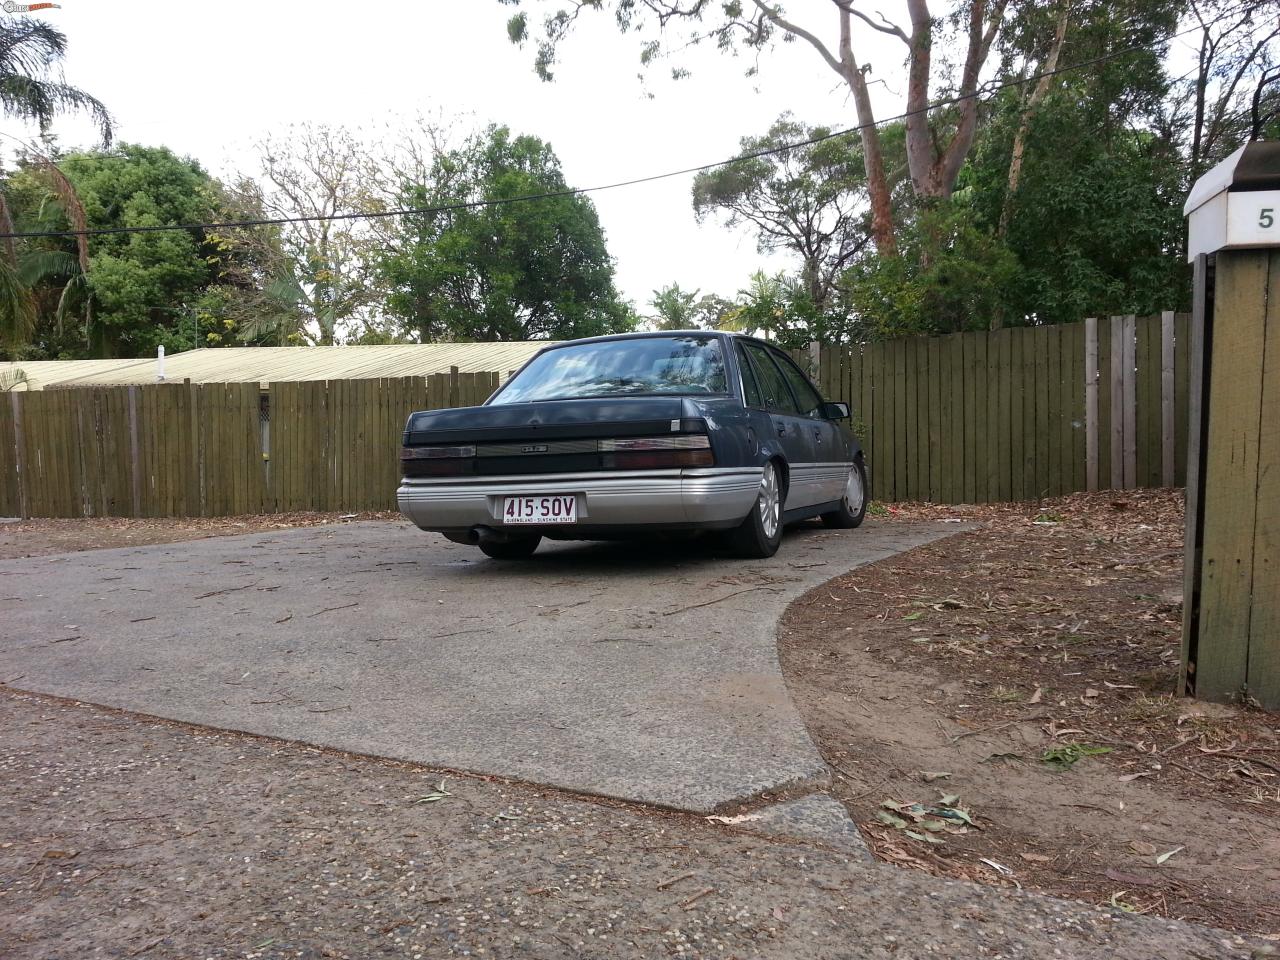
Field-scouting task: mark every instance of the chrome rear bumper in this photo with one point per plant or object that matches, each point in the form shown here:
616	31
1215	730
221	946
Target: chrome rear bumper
702	495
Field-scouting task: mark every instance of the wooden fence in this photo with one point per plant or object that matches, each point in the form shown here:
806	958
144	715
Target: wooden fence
1014	414
191	450
1020	413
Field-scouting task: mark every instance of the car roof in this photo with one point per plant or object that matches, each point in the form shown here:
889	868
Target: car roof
649	334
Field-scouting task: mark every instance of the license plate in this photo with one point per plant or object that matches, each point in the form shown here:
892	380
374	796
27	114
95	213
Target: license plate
540	509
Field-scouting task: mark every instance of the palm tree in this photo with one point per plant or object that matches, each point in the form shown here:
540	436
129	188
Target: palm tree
20	271
761	306
31	87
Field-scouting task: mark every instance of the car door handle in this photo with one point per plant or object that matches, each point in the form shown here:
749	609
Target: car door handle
817	435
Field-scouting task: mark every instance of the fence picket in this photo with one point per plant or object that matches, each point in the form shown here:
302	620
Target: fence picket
1017	413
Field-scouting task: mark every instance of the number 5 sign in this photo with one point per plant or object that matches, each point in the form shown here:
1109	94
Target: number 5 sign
1236	205
1251	218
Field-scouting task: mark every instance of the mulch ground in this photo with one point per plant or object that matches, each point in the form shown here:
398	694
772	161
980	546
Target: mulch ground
122	836
1024	674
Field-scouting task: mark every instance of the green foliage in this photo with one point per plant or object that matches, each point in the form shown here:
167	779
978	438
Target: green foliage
677	309
141	290
504	271
952	276
144	285
809	201
1065	757
253	298
17	309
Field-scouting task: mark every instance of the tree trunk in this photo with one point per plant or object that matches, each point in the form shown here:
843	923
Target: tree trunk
1038	94
934	167
921	154
882	228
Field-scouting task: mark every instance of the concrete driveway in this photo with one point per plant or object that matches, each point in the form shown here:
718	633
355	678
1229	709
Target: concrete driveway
638	671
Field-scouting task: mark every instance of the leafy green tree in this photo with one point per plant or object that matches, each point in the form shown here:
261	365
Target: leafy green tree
958	285
144	285
476	269
120	294
810	201
678	309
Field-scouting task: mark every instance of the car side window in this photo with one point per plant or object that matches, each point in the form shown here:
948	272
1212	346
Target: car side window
808	398
777	395
750	389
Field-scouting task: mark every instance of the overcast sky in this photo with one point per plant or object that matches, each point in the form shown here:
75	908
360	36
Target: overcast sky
208	79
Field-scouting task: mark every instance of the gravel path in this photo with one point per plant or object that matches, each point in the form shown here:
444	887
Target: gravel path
129	837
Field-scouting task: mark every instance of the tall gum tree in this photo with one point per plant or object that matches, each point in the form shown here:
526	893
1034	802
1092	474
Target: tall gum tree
937	141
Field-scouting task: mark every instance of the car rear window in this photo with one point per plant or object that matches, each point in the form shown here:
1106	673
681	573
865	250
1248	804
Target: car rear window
630	367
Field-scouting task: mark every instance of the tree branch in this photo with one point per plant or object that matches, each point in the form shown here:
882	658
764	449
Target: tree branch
885	25
798	31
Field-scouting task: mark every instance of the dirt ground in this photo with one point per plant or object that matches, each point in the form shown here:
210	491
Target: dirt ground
1026	672
954	669
126	837
38	538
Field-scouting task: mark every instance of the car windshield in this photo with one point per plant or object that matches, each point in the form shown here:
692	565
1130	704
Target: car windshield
608	368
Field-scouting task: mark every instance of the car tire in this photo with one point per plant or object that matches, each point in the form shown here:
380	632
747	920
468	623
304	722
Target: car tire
760	533
517	548
853	505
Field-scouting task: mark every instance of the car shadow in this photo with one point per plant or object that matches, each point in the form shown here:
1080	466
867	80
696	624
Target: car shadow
659	554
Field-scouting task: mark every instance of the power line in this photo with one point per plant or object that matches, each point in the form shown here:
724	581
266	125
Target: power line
986	89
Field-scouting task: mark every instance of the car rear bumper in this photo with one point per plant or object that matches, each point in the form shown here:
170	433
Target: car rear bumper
711	496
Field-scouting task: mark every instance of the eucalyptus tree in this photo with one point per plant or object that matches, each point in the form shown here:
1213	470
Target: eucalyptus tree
937	140
809	200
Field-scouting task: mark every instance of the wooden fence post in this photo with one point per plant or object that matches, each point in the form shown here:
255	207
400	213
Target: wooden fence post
135	468
1116	427
1091	402
1166	400
1129	406
24	506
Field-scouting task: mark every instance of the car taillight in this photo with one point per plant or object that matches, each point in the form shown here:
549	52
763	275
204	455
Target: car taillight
438	468
651	453
452	461
658	459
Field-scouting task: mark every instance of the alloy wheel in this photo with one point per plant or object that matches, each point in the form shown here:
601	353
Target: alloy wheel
770	501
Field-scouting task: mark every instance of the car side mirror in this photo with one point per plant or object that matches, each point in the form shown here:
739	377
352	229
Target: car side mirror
835	410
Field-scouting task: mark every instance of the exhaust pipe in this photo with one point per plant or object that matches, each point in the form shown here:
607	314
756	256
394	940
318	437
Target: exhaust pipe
478	534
